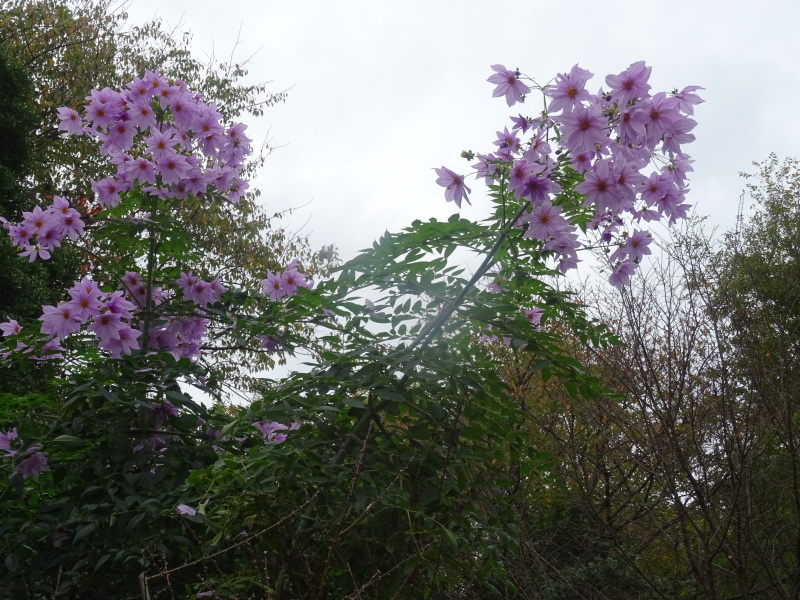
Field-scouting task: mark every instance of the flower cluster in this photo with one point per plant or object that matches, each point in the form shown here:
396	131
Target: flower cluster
610	138
180	336
169	143
200	292
277	286
113	320
108	314
42	229
270	431
31	460
163	138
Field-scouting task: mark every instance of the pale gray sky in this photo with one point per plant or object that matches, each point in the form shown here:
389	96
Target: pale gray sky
382	92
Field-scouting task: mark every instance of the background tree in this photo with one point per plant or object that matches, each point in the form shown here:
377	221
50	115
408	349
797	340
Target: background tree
685	482
25	287
759	298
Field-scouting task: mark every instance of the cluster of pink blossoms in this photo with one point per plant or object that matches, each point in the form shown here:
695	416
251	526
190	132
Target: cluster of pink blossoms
610	137
199	291
31	460
42	230
108	316
168	142
113	318
271	431
278	286
163	138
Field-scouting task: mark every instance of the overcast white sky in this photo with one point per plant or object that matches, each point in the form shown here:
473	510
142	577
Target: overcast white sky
382	92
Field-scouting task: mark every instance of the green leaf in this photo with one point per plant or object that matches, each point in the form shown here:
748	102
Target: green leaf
137	518
103	560
11	562
451	538
84	531
69	441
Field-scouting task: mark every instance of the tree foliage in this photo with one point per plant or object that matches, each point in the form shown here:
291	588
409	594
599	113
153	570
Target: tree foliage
401	462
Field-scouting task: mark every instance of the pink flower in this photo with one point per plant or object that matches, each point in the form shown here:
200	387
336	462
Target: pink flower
50	351
141	115
5	442
108	190
59	321
632	125
33	465
34	251
117	305
119	137
184	110
621	275
273	286
496	286
582	129
508	85
132	280
455	189
217	289
291	280
154	81
544	222
10	328
128	342
107	327
209	132
201	293
687	99
38	221
600	186
269	431
70	121
103	107
569	91
196	183
141	170
630	84
71	224
20	235
173	167
635	248
520	173
159	144
534	315
139	91
236	190
198	291
662	113
539	189
184	509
